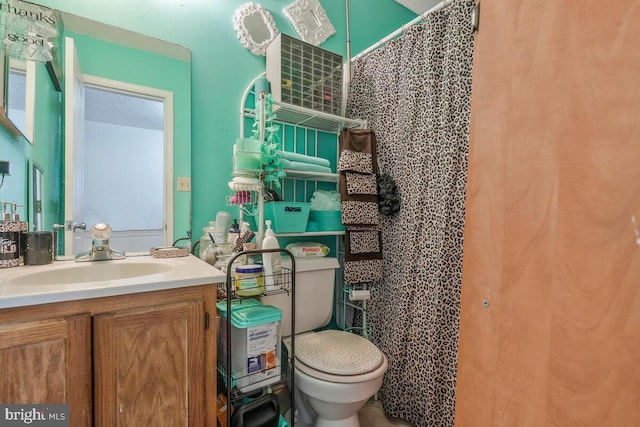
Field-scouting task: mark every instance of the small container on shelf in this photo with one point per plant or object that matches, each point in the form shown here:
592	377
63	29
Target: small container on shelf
249	280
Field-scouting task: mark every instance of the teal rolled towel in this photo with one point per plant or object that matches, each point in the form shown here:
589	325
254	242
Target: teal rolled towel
303	158
305	167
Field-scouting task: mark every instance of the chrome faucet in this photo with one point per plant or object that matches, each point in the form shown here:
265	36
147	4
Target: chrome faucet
100	250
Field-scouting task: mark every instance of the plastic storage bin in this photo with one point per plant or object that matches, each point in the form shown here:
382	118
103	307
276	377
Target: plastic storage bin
287	217
221	322
255	343
325	221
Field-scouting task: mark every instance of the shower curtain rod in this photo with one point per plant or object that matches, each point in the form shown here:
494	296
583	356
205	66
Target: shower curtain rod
399	31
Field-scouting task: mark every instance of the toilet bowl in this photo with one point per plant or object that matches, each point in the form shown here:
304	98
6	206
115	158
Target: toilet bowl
335	372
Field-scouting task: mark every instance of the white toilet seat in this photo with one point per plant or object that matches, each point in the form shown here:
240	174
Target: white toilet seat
339	357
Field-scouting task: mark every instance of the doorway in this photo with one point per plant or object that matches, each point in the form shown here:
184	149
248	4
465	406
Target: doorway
125	164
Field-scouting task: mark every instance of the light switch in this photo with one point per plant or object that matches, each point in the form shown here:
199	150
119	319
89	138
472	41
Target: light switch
184	183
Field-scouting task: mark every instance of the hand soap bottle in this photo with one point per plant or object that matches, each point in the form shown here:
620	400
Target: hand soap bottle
271	260
21	228
9	238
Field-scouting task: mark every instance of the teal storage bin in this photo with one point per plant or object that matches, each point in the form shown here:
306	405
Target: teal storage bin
254	346
325	221
221	321
287	217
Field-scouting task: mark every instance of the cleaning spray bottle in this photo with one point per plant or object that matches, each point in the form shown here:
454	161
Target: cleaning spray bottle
271	260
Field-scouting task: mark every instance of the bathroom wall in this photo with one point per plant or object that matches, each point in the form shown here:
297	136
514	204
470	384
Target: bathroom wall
222	68
15	150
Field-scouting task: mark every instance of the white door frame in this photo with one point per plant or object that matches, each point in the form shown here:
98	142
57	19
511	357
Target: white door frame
73	136
167	98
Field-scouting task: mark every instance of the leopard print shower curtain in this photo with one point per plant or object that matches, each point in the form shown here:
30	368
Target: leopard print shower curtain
415	93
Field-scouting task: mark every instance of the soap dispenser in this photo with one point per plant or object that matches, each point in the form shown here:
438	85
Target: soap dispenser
9	238
271	260
21	228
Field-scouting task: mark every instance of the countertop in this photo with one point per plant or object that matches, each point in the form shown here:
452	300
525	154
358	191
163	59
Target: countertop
180	272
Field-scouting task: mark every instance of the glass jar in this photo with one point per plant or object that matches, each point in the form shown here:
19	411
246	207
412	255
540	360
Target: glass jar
206	245
249	279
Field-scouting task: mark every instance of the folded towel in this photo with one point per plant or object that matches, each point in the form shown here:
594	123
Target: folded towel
307	167
295	157
323	200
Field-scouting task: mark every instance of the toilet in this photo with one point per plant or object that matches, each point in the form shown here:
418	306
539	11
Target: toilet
336	372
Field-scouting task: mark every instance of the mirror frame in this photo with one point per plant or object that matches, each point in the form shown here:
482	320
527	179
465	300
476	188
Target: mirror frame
4	77
28	69
299	11
244	33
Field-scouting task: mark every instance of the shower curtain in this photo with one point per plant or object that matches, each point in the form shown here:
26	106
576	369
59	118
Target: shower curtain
415	93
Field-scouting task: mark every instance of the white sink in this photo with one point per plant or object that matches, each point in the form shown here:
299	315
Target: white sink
70	280
98	271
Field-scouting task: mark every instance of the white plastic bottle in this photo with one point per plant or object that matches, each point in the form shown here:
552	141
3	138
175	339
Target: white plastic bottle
271	260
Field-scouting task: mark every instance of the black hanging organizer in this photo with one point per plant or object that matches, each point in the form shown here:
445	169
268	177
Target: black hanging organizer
286	364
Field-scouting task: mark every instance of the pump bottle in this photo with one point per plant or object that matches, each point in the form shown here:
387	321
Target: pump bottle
271	260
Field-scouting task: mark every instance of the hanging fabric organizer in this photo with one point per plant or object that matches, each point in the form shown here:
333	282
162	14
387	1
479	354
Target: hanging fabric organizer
357	167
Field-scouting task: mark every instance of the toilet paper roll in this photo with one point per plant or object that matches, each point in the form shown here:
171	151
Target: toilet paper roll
359	295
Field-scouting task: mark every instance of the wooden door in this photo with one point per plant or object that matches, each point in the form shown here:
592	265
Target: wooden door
149	367
550	314
48	362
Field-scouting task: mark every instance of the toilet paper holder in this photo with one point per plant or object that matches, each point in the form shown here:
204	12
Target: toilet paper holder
359	295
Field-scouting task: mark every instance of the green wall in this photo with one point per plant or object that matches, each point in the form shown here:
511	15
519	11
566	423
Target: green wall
15	150
222	68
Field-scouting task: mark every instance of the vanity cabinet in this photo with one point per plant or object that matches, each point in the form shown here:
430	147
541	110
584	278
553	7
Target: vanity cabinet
48	361
144	366
139	359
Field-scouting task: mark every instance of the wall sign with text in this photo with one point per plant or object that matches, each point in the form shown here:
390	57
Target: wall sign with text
29	31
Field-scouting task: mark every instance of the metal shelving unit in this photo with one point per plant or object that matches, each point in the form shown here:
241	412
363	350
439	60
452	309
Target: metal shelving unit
305	121
286	367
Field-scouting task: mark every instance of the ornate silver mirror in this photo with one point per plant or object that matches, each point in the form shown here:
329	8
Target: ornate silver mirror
255	27
310	21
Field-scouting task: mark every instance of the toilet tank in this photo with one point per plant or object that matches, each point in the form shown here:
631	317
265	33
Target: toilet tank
315	278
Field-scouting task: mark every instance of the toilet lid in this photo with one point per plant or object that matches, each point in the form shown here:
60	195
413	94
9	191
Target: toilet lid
338	353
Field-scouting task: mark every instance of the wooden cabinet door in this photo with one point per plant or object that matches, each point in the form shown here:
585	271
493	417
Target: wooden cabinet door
48	362
149	366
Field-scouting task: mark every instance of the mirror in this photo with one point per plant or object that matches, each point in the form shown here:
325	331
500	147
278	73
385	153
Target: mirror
107	54
255	27
310	21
